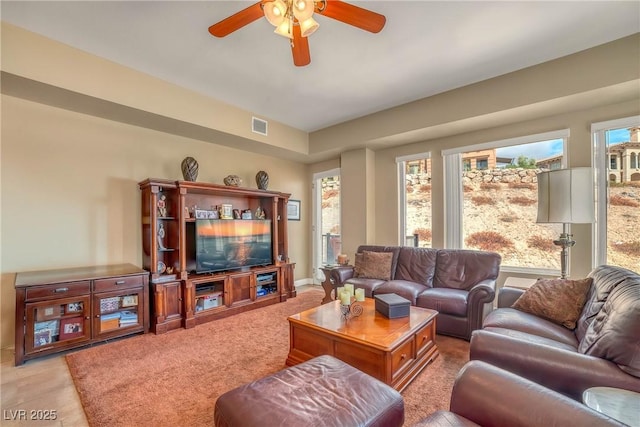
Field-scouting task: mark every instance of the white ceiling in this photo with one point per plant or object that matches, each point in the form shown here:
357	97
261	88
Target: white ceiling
426	47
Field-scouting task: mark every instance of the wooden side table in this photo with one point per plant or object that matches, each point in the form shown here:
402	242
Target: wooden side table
328	284
619	404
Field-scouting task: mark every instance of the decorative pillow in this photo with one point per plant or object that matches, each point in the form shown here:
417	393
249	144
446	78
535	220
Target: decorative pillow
557	300
376	265
358	263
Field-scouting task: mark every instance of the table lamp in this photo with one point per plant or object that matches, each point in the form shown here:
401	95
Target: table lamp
566	196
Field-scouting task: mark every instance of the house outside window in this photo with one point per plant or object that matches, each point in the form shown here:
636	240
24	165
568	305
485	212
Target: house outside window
496	209
414	177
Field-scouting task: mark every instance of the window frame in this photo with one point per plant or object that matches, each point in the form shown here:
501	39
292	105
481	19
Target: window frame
402	192
600	158
453	194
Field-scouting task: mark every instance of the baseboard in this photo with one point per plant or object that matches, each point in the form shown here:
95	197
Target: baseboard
303	282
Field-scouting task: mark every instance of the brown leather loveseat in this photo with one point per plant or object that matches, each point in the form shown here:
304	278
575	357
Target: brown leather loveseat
603	349
459	284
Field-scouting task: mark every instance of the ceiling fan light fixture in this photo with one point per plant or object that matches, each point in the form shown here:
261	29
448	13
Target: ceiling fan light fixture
275	12
284	29
303	9
308	27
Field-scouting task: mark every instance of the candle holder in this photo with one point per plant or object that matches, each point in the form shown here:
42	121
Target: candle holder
352	310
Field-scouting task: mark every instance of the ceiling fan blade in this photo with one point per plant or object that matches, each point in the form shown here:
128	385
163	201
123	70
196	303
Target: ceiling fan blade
300	48
353	15
237	20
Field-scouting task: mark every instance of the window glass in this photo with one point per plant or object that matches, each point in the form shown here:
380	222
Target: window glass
500	203
331	239
415	202
623	198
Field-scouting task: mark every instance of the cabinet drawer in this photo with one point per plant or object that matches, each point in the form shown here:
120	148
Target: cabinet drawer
59	290
117	283
425	337
401	357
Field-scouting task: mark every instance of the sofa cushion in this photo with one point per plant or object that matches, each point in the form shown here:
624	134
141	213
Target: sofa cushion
395	250
533	338
376	265
605	279
369	285
463	269
510	318
404	288
614	333
558	300
449	301
416	265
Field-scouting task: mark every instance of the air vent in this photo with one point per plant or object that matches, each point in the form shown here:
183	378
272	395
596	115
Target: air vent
259	126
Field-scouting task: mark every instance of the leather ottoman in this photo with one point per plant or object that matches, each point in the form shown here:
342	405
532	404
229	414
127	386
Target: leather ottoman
323	391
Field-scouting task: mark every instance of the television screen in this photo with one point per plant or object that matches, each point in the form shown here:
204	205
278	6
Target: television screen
231	244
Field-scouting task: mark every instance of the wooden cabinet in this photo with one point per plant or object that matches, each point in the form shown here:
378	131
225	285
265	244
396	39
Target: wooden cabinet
58	310
166	306
181	296
241	289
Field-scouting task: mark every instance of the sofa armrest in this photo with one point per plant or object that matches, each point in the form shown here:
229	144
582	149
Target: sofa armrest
488	395
341	274
507	296
565	371
480	295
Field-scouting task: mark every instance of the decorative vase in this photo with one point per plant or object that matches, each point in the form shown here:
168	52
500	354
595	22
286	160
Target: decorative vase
189	169
262	180
232	180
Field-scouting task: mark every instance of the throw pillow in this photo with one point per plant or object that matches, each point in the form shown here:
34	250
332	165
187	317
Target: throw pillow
376	265
358	263
557	300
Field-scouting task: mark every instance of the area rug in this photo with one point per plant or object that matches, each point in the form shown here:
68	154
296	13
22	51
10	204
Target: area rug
175	378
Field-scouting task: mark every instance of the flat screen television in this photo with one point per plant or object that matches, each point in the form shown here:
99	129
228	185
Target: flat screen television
226	244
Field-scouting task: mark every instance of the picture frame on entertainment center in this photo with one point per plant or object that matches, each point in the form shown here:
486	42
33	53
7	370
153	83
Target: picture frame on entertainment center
226	211
71	327
202	214
293	210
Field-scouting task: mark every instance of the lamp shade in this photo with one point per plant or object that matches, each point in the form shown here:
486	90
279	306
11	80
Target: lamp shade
284	29
566	196
308	27
303	9
275	12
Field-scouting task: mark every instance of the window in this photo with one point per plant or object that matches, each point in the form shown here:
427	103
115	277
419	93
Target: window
496	209
415	200
466	165
327	234
618	193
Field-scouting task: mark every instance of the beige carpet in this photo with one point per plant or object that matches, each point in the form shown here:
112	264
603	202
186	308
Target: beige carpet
174	379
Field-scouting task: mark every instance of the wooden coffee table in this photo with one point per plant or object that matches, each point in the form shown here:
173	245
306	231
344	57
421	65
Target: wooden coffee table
391	350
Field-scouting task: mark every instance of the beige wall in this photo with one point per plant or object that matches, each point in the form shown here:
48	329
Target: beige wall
70	194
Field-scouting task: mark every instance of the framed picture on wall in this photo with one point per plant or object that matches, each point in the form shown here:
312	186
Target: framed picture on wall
293	210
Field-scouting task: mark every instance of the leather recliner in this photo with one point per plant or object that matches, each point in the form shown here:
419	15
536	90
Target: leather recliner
484	395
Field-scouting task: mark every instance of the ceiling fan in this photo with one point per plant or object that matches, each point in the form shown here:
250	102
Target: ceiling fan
294	19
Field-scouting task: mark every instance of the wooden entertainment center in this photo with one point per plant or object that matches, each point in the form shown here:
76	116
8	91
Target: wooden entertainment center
181	297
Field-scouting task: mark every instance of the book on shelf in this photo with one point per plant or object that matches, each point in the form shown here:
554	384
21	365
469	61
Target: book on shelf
110	316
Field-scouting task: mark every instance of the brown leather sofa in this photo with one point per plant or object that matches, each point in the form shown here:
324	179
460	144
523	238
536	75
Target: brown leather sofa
459	284
484	395
603	350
